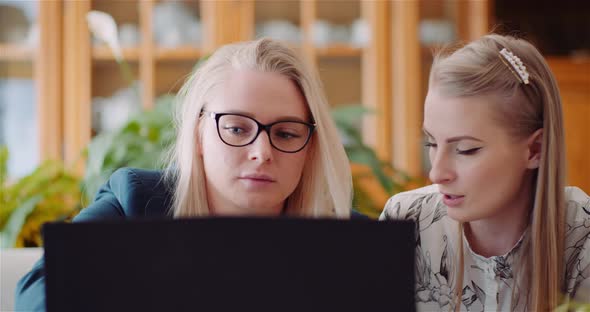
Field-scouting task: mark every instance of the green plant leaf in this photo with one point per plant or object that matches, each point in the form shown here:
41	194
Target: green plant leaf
140	143
16	221
350	114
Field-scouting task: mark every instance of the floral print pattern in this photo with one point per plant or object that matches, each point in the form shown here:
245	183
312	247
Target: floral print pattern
489	284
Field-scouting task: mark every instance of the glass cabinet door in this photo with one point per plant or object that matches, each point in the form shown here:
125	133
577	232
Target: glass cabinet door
30	83
18	93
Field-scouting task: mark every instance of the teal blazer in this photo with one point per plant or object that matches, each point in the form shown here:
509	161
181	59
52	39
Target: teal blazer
129	193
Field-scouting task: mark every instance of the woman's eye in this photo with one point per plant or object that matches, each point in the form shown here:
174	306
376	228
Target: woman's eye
286	135
430	144
234	130
470	151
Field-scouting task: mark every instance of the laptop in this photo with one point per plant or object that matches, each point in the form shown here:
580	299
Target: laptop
230	264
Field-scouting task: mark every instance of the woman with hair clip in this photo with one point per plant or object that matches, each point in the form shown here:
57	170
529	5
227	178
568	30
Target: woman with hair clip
498	231
254	138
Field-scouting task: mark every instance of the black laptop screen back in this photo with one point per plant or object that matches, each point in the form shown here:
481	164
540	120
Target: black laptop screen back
230	265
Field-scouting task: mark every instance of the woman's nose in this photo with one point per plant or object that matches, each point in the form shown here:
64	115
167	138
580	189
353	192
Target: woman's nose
442	171
261	149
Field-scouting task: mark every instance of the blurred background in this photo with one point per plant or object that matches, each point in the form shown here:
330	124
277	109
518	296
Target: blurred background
73	108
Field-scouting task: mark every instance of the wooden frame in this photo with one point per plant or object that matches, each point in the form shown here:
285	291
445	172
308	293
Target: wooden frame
407	104
473	18
377	79
48	77
77	82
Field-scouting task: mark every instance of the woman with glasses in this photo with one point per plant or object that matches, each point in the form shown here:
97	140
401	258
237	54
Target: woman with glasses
254	138
498	231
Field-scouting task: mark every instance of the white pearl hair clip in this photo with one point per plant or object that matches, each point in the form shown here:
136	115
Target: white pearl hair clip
515	66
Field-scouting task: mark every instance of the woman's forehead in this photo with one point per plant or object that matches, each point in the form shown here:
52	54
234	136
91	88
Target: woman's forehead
449	116
259	94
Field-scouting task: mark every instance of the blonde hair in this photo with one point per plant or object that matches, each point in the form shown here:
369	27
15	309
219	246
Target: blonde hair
477	70
325	187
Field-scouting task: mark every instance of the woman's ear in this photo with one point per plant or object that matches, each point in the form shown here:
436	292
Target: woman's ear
535	148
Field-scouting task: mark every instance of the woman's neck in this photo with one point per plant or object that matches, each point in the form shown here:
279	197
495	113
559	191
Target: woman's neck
497	235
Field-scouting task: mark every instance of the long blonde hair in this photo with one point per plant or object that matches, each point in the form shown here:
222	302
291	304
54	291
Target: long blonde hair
475	70
325	187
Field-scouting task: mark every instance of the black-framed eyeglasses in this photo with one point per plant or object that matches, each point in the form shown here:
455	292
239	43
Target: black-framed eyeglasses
240	130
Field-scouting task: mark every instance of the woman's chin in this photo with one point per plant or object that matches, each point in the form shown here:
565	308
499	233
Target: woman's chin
459	216
259	206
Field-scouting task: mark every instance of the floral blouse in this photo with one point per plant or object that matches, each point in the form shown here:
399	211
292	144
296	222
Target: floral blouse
488	283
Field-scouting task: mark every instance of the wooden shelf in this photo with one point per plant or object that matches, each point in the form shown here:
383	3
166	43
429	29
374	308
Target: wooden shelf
104	53
15	52
339	50
183	53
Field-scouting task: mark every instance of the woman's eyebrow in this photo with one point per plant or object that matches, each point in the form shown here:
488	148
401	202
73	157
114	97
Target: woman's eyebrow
462	137
279	118
453	139
291	118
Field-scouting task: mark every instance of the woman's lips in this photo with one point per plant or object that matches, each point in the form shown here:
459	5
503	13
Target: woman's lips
254	181
256	176
453	200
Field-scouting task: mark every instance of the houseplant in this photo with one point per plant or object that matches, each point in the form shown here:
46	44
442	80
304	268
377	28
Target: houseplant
51	192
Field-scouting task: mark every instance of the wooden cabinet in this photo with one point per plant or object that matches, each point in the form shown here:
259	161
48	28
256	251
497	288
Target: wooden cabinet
353	71
350	73
387	73
92	69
